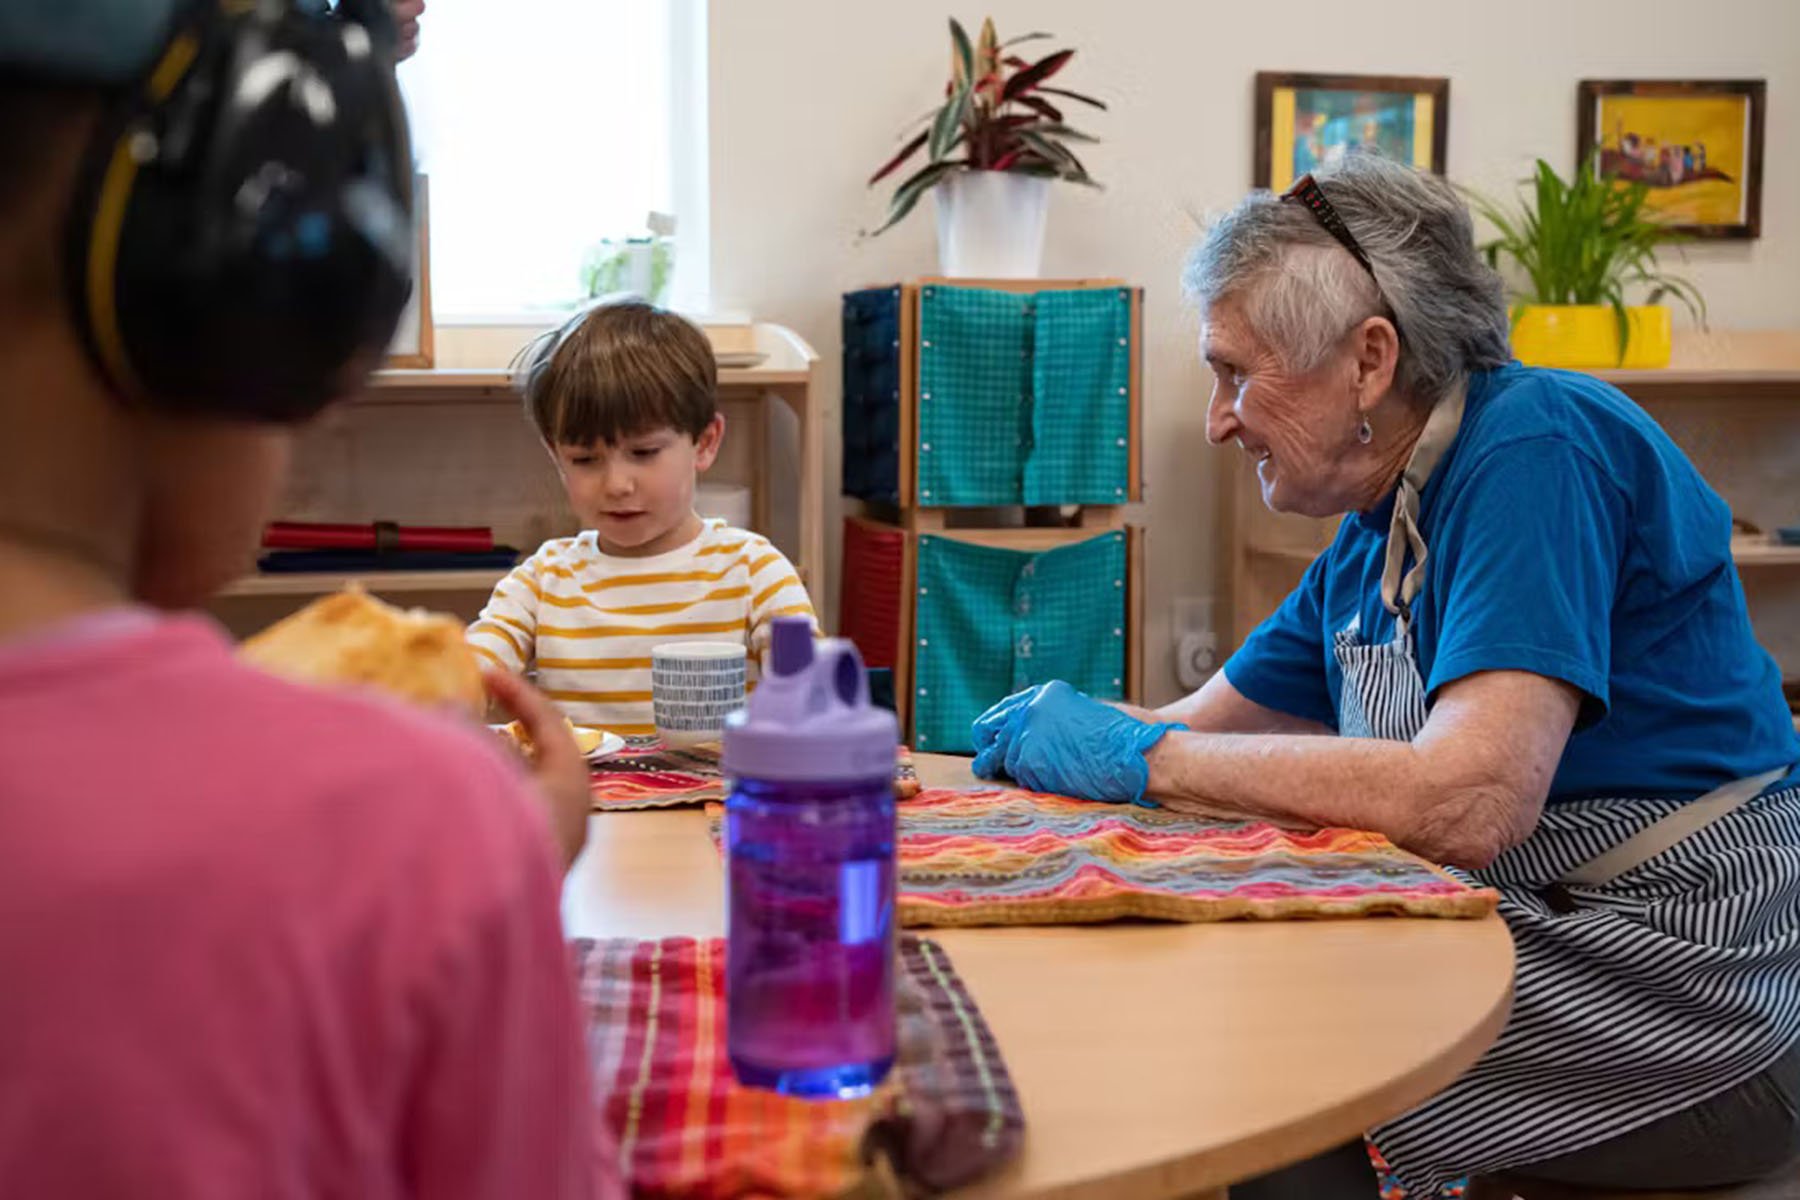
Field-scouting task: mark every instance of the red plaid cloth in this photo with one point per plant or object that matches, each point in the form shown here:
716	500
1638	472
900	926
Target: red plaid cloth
686	1128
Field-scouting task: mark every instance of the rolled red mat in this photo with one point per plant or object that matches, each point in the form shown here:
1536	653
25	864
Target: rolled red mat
377	535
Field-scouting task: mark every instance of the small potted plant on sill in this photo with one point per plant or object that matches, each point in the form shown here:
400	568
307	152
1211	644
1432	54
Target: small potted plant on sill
638	266
1579	247
992	150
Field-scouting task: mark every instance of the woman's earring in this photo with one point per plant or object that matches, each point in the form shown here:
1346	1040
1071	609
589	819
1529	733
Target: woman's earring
1364	433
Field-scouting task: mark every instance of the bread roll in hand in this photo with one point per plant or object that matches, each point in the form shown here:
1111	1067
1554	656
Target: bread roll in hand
351	638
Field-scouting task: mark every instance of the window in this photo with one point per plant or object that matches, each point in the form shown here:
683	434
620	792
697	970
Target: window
546	126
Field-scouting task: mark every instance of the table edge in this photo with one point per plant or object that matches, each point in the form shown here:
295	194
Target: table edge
1211	1170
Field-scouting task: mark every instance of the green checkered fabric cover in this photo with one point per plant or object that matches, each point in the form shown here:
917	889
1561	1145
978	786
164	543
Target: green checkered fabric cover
1080	397
991	621
1023	398
1071	617
974	380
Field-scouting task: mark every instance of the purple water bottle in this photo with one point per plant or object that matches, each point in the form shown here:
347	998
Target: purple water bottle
809	837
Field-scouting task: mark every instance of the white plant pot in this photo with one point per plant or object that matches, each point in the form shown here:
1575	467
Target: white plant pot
991	224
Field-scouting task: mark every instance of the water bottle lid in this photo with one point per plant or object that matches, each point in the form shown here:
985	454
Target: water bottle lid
810	720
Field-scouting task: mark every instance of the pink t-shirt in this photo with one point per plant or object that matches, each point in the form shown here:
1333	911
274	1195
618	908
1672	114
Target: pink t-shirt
262	940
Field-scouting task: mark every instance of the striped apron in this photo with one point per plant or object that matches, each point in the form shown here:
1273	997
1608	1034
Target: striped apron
1650	975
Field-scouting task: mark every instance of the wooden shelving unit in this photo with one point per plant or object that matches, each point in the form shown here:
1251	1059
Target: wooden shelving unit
1730	400
463	386
318	583
450	446
900	510
1747	553
1649	387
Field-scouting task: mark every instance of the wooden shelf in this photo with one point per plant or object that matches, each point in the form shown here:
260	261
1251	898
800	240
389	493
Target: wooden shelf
1748	552
452	386
318	583
1029	540
440	386
788	366
1761	364
1673	384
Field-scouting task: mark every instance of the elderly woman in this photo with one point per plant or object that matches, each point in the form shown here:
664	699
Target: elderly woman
1526	655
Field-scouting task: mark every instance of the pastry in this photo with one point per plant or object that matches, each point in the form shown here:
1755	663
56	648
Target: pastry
352	638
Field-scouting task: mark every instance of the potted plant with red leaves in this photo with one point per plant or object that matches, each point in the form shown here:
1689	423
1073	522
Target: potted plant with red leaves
991	151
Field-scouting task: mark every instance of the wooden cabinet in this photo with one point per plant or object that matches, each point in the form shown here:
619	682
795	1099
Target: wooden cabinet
993	430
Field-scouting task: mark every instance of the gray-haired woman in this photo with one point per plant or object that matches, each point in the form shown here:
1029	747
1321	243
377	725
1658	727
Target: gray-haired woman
1529	649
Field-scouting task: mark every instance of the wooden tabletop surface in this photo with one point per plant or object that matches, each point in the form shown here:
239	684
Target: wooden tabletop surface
1153	1060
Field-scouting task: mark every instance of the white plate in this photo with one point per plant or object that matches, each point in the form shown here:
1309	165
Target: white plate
610	743
740	359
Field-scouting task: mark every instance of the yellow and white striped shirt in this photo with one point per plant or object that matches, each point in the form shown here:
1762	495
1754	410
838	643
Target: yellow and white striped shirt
585	621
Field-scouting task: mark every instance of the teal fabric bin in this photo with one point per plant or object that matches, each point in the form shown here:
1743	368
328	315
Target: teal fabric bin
1080	398
974	395
1024	398
991	621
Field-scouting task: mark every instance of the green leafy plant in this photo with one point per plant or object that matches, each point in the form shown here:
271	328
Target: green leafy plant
607	267
998	115
1585	242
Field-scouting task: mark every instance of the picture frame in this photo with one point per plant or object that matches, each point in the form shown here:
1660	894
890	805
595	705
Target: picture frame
412	345
1304	121
1698	143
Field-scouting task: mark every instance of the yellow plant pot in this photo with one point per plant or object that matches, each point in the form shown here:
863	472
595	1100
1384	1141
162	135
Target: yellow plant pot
1586	336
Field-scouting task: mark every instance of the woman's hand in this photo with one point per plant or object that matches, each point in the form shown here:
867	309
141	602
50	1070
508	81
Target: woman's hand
1051	738
992	726
557	765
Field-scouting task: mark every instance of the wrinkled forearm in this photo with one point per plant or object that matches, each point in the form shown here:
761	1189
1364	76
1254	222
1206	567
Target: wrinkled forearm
1433	804
1218	707
1147	715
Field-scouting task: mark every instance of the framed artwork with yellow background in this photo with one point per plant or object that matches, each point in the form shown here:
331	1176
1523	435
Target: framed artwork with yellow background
1304	122
1697	144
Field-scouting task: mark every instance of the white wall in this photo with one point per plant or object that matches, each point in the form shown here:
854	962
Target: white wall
808	95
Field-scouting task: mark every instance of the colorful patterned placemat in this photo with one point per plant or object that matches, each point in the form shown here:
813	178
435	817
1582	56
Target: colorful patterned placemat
685	1128
648	774
1009	857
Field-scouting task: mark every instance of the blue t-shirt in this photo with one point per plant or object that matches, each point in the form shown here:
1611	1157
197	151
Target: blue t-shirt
1569	537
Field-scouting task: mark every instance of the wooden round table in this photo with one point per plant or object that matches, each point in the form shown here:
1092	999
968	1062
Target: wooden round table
1152	1060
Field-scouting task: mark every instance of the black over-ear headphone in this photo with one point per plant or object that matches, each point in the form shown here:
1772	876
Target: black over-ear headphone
242	245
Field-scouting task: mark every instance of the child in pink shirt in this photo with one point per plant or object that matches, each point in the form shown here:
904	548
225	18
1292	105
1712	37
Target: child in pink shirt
256	939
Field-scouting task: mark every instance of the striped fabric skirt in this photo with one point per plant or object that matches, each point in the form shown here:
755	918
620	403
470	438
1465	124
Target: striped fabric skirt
1646	995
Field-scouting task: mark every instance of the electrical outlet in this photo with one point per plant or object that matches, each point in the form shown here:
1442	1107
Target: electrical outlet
1196	641
1196	658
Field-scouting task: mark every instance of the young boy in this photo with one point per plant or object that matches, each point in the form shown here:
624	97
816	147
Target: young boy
624	398
258	939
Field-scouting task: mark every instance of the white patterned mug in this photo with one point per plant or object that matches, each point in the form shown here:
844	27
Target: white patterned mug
694	686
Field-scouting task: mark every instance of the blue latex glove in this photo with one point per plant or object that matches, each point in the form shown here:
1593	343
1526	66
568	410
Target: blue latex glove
1054	739
990	726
